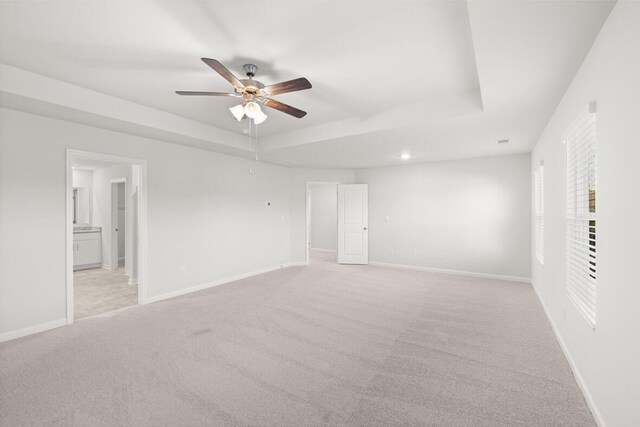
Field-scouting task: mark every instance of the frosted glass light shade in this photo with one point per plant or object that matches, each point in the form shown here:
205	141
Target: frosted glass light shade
252	109
237	111
260	117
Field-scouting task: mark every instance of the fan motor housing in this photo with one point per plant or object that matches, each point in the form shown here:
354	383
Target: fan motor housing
251	86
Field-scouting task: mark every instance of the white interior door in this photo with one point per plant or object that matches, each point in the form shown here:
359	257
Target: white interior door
353	224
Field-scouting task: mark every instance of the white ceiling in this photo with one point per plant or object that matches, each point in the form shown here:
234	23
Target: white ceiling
441	80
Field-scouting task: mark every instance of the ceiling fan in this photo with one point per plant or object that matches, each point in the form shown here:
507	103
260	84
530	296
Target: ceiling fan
254	93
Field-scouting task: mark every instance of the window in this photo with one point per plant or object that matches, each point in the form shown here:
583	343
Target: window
581	213
539	212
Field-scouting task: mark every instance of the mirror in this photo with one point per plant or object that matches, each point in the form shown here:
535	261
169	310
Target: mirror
81	206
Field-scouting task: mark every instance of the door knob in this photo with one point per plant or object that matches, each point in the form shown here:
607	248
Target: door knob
364	228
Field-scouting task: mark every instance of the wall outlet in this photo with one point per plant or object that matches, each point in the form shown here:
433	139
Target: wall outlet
183	270
416	253
387	219
440	255
391	251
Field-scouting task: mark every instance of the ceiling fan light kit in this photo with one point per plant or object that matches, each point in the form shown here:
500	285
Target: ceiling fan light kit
251	110
254	93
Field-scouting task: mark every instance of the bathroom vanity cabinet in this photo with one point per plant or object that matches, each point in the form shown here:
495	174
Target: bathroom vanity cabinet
87	249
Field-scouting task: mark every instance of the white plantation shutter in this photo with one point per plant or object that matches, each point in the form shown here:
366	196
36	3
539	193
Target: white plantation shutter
581	213
539	213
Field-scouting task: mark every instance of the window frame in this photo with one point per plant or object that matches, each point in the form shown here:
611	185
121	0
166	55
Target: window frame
581	213
539	213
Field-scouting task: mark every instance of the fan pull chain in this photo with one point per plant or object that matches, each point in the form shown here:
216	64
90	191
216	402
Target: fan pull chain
251	134
250	139
256	126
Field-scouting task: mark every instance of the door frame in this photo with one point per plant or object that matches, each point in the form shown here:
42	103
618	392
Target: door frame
115	259
141	221
307	225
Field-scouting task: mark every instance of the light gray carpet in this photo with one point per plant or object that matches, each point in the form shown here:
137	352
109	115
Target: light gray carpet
318	345
97	291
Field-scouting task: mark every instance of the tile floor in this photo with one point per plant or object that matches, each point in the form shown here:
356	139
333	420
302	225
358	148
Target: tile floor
97	291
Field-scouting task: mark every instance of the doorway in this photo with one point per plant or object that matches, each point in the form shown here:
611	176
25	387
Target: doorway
322	222
337	223
119	236
105	233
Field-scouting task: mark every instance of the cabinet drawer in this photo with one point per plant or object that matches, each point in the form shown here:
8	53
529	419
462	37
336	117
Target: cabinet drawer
94	235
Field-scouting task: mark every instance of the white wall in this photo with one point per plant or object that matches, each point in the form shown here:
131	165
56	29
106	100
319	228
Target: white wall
324	217
606	360
298	191
206	212
82	178
468	215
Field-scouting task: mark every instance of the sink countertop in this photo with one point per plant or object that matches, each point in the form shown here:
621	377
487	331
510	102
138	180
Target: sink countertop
77	230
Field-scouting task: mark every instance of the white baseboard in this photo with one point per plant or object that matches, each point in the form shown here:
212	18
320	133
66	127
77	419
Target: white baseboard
296	264
6	336
86	267
106	266
456	272
217	283
132	282
583	386
323	250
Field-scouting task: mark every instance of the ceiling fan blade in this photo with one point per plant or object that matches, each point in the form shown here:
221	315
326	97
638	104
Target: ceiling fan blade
288	86
285	108
222	70
191	93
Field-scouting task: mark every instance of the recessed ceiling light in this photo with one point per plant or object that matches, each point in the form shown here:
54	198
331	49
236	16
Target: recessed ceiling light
503	141
405	156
